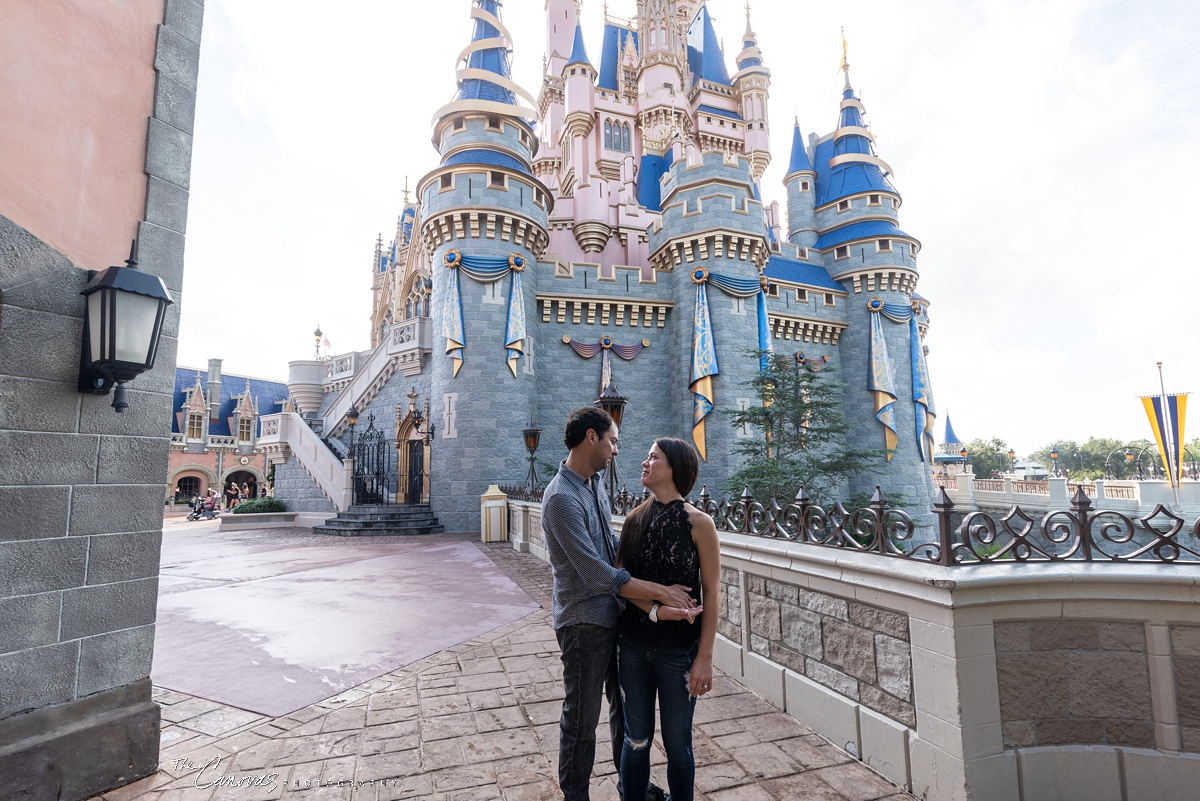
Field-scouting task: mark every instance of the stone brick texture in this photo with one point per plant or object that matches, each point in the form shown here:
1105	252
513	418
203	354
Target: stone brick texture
1185	655
857	650
729	621
1074	682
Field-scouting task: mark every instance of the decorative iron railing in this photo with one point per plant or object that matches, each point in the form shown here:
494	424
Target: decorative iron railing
524	494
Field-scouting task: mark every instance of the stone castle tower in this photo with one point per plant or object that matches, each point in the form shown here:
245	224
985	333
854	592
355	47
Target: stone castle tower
613	230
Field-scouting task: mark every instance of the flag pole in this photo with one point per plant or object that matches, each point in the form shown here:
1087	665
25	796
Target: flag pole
1172	463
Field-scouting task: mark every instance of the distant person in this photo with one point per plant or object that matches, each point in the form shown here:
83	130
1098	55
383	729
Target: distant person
245	495
586	599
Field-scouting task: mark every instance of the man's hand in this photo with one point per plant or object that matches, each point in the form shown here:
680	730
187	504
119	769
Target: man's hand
677	596
675	613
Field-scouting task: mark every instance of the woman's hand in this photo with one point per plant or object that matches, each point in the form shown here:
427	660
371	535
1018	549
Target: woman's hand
675	613
700	677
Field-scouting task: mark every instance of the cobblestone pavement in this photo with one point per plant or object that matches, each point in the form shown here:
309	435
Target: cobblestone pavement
478	722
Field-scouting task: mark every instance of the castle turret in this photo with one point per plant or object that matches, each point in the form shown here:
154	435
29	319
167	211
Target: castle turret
800	182
212	390
714	237
865	250
752	84
581	177
484	217
561	23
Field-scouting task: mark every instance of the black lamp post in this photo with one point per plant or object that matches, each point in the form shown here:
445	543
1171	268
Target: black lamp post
533	436
613	402
122	324
1108	473
1054	458
352	420
1012	461
317	336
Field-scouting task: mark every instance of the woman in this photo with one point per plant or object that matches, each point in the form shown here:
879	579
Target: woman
665	651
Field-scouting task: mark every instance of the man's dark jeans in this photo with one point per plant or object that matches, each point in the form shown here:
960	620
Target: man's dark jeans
589	657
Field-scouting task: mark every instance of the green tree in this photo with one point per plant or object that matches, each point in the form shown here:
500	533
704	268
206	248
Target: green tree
1087	460
989	457
799	435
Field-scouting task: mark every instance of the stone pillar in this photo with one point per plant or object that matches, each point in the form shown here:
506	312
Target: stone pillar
80	485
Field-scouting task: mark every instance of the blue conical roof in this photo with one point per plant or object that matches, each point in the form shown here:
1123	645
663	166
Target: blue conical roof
950	438
799	162
492	59
578	50
850	177
705	59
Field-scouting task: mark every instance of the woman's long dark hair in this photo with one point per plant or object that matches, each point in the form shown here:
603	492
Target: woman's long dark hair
685	465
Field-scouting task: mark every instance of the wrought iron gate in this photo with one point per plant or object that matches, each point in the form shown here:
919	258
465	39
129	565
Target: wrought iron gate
373	473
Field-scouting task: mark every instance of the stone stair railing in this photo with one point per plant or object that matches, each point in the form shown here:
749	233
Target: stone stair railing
287	433
403	350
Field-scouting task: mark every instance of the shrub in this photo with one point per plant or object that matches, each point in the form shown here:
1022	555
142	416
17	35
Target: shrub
260	506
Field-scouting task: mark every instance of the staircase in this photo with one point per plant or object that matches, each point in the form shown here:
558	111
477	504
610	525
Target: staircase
382	520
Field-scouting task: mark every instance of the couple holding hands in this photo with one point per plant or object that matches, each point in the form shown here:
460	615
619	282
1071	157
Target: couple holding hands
629	613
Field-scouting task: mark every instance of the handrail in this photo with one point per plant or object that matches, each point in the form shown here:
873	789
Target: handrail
405	336
333	475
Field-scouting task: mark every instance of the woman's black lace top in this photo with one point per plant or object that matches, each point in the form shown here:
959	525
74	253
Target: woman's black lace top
666	555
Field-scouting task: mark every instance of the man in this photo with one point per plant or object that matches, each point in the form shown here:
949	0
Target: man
582	548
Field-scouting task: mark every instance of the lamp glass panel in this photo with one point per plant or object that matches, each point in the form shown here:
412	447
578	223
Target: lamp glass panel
135	318
95	312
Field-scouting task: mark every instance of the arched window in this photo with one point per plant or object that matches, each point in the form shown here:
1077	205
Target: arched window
408	310
608	135
654	36
425	307
625	138
195	427
418	299
187	487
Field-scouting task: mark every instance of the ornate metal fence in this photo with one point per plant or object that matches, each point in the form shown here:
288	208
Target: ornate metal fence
1081	533
374	476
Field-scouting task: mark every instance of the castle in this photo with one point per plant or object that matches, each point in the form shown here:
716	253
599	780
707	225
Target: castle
614	230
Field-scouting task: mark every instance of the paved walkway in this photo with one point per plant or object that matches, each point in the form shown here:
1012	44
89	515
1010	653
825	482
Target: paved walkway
476	721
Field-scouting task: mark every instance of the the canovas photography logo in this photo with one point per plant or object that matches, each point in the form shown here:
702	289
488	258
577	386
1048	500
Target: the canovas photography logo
208	774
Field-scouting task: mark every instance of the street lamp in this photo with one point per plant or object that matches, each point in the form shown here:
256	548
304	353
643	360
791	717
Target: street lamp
1108	473
613	402
351	420
317	336
1054	458
965	461
1012	460
122	323
533	435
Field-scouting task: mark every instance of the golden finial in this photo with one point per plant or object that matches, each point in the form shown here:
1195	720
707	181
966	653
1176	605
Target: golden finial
845	65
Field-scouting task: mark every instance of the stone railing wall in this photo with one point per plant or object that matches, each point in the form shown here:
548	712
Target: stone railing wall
1024	681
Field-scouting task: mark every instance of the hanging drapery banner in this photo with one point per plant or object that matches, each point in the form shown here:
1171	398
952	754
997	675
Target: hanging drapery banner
879	378
606	345
484	270
881	381
704	350
1167	415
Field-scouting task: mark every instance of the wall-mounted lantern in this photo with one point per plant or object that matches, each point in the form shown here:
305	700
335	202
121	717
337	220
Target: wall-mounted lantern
122	324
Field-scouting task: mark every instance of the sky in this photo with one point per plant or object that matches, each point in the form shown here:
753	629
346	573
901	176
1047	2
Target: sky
1046	153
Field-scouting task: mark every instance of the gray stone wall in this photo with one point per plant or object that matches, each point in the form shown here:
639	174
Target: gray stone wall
1185	654
81	486
859	651
1074	682
300	491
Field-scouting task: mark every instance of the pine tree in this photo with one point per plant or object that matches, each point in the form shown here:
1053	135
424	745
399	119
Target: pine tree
799	435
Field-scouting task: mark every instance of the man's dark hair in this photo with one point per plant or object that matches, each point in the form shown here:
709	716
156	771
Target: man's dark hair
583	420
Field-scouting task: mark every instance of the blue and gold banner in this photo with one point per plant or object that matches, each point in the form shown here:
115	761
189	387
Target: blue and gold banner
704	349
1167	414
485	270
879	378
922	393
704	362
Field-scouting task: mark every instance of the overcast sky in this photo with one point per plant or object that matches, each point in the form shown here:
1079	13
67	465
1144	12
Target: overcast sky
1047	154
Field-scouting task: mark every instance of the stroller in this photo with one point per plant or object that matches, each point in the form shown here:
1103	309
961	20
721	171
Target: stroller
203	507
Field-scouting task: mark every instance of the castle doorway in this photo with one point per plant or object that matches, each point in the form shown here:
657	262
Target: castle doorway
412	452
